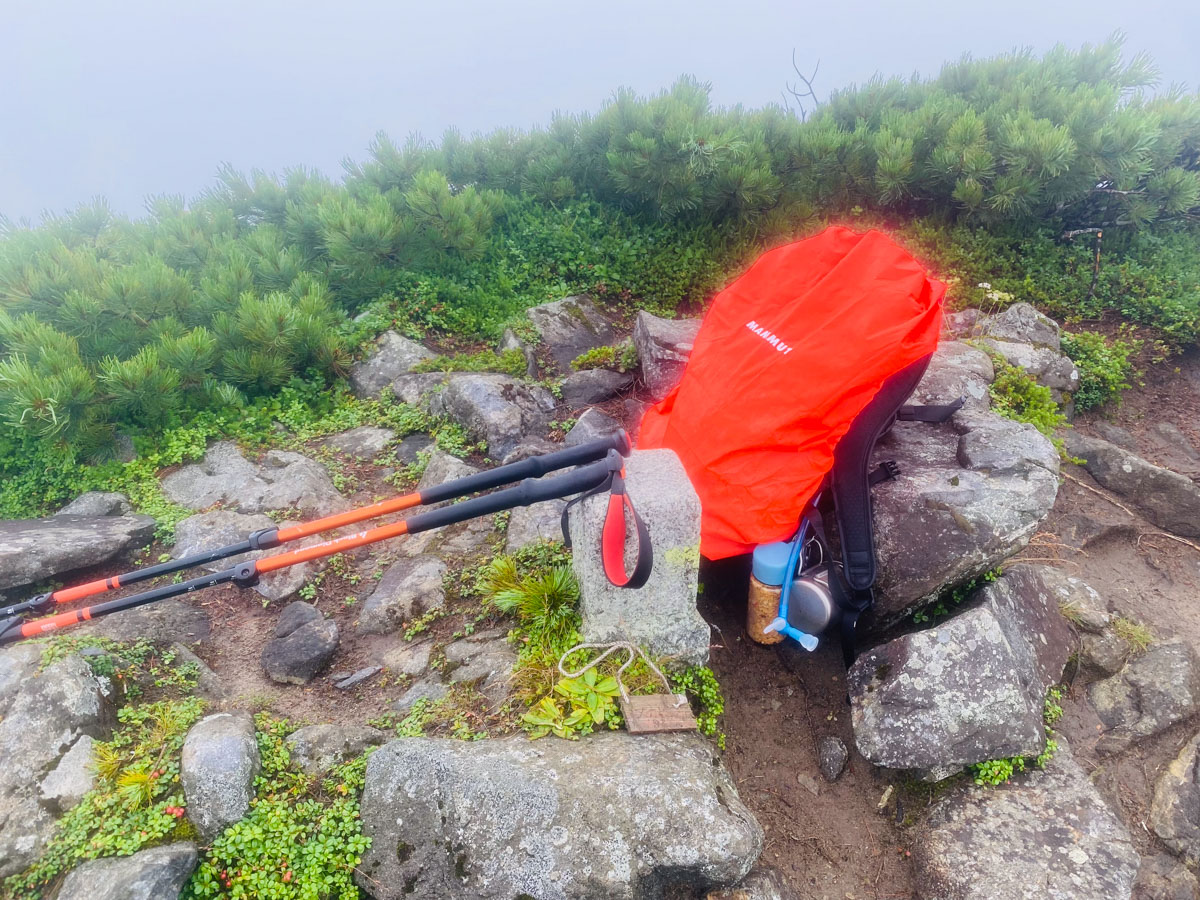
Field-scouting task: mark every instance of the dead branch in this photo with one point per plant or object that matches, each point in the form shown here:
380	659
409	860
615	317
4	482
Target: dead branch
808	94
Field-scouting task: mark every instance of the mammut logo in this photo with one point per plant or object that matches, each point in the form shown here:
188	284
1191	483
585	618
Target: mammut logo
770	337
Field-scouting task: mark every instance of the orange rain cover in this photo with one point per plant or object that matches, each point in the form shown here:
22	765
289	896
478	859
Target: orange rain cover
785	359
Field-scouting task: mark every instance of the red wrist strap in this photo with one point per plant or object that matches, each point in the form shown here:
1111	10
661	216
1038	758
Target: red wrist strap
612	540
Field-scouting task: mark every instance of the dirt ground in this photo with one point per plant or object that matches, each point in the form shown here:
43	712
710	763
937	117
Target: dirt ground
828	840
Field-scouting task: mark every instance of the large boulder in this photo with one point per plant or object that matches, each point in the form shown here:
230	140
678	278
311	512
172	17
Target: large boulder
497	409
218	766
36	550
283	480
1049	367
969	495
1047	834
661	615
164	621
393	356
408	588
591	425
315	749
957	370
304	643
18	664
569	327
71	778
1162	878
48	716
1166	498
940	699
159	873
527	525
442	467
98	503
221	527
614	817
593	386
1175	812
663	346
1022	324
1150	694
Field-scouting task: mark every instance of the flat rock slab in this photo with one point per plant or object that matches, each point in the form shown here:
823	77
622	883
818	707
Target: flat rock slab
957	370
940	699
569	327
969	495
1149	695
365	442
217	769
316	749
1166	498
36	550
1047	834
283	480
663	346
98	503
393	355
661	615
613	816
159	873
497	409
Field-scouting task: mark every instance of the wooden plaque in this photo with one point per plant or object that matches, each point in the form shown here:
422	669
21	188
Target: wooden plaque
658	713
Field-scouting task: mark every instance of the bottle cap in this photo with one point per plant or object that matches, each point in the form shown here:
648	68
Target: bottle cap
769	562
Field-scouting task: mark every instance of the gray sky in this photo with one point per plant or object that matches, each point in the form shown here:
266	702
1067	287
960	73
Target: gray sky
129	98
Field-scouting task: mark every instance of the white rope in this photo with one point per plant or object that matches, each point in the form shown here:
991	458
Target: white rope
629	647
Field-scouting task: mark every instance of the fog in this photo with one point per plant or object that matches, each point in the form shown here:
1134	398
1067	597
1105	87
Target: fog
130	99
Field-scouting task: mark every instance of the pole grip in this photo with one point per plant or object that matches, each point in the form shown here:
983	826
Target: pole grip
532	467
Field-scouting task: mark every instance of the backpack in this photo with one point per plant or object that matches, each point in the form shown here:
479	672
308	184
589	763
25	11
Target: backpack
798	368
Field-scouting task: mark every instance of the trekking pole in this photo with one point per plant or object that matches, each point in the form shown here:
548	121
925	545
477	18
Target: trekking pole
270	538
532	490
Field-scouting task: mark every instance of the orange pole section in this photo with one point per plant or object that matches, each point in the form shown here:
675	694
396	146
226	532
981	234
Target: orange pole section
62	620
408	501
66	595
328	548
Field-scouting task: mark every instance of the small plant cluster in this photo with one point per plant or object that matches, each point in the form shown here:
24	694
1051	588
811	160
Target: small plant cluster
586	702
1105	367
622	358
1000	771
508	362
1017	395
453	715
302	837
137	800
953	598
700	685
134	668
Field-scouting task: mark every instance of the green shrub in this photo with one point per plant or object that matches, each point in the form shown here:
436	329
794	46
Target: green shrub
1017	395
1105	367
509	362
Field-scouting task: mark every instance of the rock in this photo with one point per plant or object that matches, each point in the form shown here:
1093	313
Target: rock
218	766
98	503
661	615
1079	602
408	588
283	480
1171	438
497	409
528	525
593	386
663	346
1047	834
1105	653
614	816
1025	601
1174	813
304	644
408	449
408	659
73	777
18	664
316	749
1162	878
393	356
36	550
1166	498
159	873
760	884
1116	435
418	388
1082	529
510	341
356	678
427	689
942	699
488	664
529	446
50	713
964	323
443	467
591	425
957	370
208	683
222	527
940	523
164	621
365	442
569	327
832	757
1023	324
1149	695
1049	367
